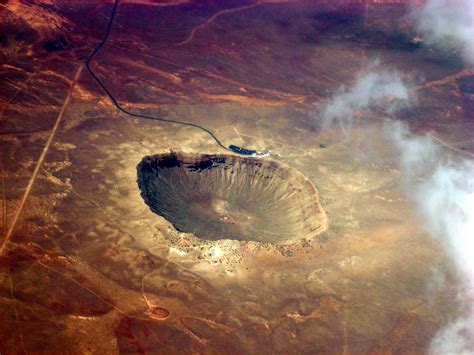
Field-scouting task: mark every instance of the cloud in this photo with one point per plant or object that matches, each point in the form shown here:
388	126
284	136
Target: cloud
416	153
375	85
440	186
454	338
443	191
448	25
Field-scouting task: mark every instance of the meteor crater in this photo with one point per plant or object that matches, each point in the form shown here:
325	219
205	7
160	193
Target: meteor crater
231	197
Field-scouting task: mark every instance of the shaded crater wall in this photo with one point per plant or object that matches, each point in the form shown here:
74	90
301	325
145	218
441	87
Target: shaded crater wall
231	197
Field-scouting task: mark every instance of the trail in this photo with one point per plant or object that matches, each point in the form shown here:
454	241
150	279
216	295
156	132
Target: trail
145	298
345	347
449	146
288	97
19	90
446	80
248	100
224	12
17	317
40	162
67	276
4	202
213	18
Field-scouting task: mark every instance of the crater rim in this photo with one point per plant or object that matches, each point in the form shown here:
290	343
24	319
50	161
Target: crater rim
212	194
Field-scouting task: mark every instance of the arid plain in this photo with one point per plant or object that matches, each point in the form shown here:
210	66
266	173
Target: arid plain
85	265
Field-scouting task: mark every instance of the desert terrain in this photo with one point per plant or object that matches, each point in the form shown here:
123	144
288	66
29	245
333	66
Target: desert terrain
314	249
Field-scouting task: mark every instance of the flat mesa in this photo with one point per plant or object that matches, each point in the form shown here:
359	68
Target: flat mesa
230	197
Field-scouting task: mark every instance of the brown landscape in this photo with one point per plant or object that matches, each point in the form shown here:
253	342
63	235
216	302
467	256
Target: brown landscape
124	234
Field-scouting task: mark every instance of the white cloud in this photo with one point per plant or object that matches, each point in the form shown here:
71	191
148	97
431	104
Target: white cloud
448	24
455	338
375	85
443	191
441	187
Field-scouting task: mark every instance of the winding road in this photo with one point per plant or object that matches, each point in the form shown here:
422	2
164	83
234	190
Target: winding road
88	61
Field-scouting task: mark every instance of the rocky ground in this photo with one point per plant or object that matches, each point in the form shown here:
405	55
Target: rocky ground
86	265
